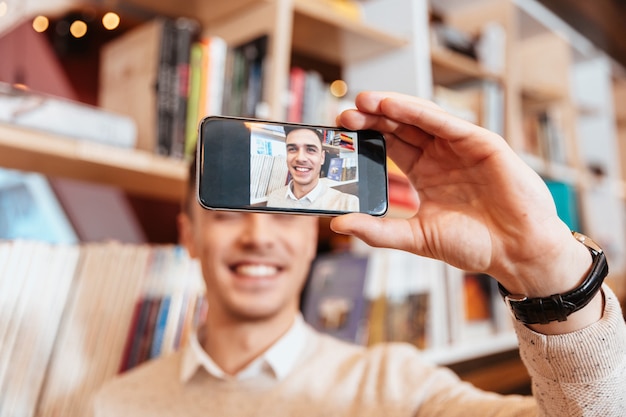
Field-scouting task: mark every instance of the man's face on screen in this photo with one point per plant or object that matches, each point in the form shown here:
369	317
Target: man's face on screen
304	158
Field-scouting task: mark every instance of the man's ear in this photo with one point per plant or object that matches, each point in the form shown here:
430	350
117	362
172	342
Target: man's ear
185	233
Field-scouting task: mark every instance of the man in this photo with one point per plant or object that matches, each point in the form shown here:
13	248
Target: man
305	157
480	208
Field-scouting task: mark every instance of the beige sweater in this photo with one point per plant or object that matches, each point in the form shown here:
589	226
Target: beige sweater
328	199
578	374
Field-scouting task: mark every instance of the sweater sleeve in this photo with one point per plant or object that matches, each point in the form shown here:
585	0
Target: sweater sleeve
582	373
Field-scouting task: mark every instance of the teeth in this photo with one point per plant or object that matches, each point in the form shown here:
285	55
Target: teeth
302	169
256	270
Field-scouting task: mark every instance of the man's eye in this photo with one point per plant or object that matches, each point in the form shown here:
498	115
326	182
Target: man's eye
226	215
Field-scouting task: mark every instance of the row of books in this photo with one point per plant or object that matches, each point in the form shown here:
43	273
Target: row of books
73	316
544	136
342	169
310	99
382	295
166	75
267	173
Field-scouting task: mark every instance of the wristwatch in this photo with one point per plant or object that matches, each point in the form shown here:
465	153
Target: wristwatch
558	306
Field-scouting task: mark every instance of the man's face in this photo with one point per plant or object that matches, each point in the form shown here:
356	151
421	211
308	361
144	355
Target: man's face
304	157
254	264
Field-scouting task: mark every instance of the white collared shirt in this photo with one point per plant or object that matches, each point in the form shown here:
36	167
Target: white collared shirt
311	196
277	361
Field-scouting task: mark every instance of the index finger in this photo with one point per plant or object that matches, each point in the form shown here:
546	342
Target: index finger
414	111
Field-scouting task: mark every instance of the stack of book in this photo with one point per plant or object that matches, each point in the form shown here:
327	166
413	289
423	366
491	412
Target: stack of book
73	316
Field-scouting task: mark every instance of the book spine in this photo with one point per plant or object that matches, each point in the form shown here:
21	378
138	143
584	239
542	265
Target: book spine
166	76
254	53
186	32
297	79
194	98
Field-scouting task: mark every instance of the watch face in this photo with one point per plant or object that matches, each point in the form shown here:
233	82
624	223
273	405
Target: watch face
587	241
515	298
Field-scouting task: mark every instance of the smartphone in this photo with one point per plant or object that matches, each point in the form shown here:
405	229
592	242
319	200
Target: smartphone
267	166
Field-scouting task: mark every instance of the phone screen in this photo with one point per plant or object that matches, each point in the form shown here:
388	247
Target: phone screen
257	165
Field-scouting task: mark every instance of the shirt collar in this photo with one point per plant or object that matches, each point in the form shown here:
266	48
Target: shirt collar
277	361
311	196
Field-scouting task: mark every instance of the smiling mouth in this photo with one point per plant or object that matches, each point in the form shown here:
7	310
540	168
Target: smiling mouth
302	169
256	270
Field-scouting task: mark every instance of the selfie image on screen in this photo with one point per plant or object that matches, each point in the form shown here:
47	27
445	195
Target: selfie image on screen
298	167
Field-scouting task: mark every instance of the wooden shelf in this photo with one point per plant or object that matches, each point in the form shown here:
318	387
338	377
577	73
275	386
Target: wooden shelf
321	32
206	11
542	95
137	172
451	67
473	349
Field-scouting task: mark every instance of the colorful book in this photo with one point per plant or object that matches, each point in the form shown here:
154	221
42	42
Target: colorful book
335	169
333	301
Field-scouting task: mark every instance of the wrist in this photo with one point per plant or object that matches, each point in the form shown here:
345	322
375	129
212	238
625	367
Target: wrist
578	320
559	305
561	264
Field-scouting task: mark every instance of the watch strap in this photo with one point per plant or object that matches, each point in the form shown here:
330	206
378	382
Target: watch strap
558	306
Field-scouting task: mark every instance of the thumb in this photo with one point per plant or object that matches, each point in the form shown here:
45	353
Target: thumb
376	231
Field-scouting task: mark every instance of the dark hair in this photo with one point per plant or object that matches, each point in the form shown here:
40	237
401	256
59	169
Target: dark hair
318	132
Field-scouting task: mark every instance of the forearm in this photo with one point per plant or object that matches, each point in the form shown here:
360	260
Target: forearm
581	372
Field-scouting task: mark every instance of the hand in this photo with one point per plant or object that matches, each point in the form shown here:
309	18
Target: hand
481	208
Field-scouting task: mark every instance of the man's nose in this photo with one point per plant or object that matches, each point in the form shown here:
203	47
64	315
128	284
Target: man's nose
258	229
301	153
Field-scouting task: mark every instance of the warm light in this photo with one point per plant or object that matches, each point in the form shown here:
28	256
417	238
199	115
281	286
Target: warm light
78	28
40	23
110	21
3	8
338	88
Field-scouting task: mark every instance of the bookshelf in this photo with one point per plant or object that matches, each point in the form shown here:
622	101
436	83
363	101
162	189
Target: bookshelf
370	51
451	67
547	73
135	171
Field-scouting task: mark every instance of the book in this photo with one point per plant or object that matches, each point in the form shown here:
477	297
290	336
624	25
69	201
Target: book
98	212
335	169
36	312
215	51
297	81
30	209
194	99
100	314
334	301
206	85
476	309
244	72
64	117
566	201
129	73
402	194
167	78
187	31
